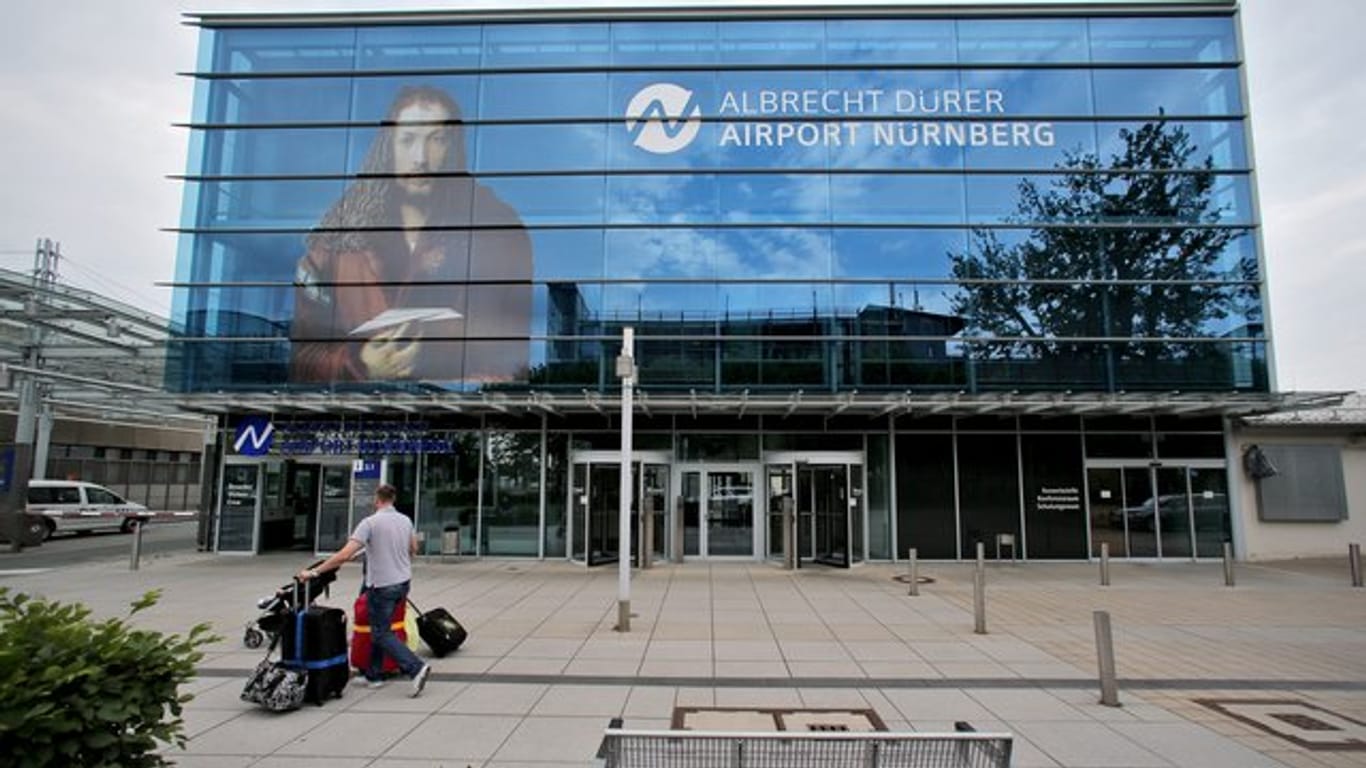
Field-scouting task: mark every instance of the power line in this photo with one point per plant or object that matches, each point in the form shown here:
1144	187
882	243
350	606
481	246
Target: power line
104	279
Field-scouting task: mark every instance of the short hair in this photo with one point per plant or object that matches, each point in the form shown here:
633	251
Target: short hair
386	493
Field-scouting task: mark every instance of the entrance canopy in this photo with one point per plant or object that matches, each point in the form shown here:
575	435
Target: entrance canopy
782	404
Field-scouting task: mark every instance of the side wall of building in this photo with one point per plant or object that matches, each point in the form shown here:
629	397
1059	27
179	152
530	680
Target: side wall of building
1280	540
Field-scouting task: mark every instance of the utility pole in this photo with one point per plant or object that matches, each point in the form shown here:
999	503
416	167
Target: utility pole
46	257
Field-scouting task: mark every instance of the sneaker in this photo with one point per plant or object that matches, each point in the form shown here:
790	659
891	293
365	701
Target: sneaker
420	679
368	683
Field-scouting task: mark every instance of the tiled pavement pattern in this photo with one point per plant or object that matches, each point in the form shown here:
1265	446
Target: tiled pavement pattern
543	670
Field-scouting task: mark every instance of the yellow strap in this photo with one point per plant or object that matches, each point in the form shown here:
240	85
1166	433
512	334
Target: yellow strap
365	628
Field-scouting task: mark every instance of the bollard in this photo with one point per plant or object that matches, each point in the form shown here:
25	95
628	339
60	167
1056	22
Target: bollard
979	592
1105	655
1228	563
137	546
913	565
1105	563
1354	555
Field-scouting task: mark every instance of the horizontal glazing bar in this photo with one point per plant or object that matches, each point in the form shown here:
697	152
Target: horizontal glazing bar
757	67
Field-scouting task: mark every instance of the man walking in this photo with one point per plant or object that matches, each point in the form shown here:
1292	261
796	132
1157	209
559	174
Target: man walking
389	542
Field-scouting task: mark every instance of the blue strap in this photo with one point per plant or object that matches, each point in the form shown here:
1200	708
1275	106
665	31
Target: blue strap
324	663
298	637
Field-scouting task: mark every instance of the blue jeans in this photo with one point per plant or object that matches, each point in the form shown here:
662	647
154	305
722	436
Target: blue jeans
382	602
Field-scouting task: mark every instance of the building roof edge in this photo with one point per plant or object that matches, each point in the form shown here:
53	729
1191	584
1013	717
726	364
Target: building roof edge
662	13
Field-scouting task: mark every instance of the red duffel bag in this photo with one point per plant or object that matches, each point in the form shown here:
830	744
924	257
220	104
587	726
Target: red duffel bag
360	636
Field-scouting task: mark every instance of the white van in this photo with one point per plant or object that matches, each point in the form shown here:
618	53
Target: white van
71	505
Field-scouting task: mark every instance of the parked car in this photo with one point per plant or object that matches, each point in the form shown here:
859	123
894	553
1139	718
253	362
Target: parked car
1173	510
72	505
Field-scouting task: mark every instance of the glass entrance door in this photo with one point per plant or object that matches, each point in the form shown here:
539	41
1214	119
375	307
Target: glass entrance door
597	522
823	504
596	506
730	514
718	505
334	508
824	490
1165	510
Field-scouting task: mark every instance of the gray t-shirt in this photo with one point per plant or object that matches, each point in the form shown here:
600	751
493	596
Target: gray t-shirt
387	535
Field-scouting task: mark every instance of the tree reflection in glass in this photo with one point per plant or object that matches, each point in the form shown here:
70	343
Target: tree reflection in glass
1151	284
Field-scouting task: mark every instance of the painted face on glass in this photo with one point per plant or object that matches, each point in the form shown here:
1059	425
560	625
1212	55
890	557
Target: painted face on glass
420	147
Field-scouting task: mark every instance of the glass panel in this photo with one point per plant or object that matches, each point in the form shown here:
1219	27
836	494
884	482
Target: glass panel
1181	445
604	513
511	514
284	49
556	494
988	490
1174	512
1106	491
730	513
924	495
1176	92
418	47
1118	446
450	493
691	493
1155	39
579	503
1055	523
655	502
1018	40
658	43
878	496
1209	493
830	498
1138	512
890	41
855	513
1222	143
545	45
336	505
237	521
780	494
748	42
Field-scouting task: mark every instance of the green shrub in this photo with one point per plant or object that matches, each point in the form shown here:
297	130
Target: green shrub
80	692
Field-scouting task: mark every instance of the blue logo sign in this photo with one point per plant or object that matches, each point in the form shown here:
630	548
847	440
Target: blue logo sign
365	469
255	434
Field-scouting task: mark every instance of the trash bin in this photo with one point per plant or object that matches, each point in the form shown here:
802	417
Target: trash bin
450	542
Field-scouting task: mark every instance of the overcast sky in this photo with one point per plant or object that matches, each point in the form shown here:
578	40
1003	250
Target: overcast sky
89	92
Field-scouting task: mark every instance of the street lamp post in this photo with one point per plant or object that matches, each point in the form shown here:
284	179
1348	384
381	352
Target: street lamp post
626	371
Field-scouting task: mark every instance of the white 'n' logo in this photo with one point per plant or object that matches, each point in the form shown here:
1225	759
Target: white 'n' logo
253	437
663	117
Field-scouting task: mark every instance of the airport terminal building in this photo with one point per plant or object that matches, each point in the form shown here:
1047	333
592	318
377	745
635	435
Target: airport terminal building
907	276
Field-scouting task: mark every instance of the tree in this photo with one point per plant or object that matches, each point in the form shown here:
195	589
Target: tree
1154	276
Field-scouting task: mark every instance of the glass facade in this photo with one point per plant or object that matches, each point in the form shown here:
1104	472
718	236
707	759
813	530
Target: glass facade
812	203
974	204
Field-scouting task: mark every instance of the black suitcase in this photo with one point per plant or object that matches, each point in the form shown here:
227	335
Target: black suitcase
315	639
439	630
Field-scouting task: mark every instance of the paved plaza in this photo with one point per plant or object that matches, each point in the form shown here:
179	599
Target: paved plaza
1270	672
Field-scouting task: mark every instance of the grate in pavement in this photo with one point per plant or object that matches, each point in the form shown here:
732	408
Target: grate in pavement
1298	722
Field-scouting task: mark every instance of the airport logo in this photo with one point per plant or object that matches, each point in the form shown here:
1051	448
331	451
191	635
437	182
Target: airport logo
663	118
254	436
